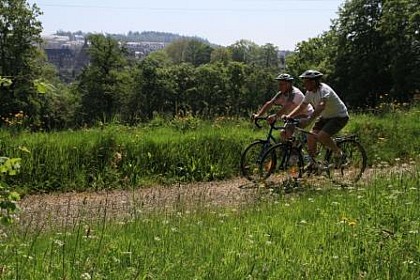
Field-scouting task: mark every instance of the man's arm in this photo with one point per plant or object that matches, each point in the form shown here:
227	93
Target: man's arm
267	106
298	110
318	109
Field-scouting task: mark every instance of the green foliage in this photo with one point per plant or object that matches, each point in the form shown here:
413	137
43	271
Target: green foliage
8	198
221	55
192	51
399	23
184	148
316	53
43	87
153	85
20	32
105	84
5	82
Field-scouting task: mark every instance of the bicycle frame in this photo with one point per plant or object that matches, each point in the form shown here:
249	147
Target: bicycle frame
270	137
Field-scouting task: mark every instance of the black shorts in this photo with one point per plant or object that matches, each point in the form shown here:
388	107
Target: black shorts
330	125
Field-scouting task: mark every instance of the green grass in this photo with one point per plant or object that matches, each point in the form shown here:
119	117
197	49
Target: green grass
389	137
370	232
181	150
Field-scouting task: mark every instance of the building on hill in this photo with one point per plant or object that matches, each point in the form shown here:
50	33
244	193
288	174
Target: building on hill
71	56
68	61
142	49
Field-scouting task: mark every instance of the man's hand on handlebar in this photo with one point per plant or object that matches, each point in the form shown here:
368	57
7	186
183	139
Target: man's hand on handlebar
272	118
254	117
285	117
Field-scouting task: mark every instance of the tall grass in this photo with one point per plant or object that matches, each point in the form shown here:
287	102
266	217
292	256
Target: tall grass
367	233
389	137
175	151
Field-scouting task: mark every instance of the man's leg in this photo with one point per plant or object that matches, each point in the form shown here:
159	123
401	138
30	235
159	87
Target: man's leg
328	142
331	127
312	141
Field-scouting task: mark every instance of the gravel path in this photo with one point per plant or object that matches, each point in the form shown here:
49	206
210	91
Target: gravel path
68	208
63	209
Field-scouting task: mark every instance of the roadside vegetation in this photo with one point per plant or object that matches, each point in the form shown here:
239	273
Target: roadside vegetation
179	150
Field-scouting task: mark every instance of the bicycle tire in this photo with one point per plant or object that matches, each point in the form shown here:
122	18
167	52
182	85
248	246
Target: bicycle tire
285	171
354	162
251	159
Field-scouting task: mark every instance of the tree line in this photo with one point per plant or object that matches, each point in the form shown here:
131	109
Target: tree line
371	51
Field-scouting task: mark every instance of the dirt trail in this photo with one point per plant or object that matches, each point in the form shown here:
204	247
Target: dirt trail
69	208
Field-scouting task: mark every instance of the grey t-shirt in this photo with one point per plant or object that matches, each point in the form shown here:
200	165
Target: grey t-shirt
334	107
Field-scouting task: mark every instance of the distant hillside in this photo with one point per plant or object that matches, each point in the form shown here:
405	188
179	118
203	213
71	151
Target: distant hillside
135	36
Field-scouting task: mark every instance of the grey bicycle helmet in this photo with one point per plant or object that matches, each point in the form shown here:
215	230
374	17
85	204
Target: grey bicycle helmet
284	77
311	74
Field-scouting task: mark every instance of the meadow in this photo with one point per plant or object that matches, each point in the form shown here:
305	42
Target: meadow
367	231
170	151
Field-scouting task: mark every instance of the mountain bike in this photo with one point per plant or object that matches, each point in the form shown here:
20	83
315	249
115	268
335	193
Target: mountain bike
251	157
291	155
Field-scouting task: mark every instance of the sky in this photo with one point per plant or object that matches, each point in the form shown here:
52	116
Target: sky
283	23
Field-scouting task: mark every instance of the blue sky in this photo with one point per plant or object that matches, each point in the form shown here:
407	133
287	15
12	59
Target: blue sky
283	23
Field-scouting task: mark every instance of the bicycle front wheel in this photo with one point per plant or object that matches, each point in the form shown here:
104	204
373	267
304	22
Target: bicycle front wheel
252	157
352	165
290	165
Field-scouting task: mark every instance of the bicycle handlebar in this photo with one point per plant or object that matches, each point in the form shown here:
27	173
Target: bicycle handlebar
257	120
273	125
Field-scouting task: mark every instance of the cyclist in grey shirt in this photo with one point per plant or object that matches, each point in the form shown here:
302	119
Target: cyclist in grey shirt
330	111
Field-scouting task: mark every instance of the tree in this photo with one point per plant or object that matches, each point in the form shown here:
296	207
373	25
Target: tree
211	80
221	55
361	64
197	52
175	50
260	85
236	76
193	51
152	87
316	53
184	93
19	33
400	25
106	82
244	51
269	56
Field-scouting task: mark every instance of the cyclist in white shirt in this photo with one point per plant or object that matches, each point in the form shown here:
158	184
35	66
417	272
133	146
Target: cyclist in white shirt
288	97
330	111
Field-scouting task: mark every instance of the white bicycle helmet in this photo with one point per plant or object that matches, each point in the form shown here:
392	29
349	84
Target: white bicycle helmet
311	74
284	77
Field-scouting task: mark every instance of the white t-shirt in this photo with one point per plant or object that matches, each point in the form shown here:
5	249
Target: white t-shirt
295	96
334	107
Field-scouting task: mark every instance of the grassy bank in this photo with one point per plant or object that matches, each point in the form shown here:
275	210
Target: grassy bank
367	233
180	150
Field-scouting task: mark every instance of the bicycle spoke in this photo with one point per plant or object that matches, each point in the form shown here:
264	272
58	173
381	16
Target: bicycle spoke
352	165
288	170
252	158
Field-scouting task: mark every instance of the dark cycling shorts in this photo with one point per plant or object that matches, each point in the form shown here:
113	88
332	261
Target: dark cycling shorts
331	125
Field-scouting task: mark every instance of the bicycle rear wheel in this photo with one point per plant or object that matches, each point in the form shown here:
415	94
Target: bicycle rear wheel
290	166
251	159
352	165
